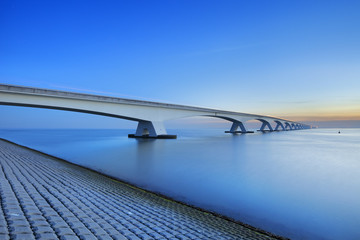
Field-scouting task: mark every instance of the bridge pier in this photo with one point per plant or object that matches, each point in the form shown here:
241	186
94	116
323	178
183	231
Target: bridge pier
264	125
149	129
279	124
236	125
287	124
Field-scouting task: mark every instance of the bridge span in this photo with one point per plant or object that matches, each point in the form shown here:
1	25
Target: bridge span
149	115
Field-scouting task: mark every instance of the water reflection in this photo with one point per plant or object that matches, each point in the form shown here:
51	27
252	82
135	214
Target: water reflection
145	149
300	184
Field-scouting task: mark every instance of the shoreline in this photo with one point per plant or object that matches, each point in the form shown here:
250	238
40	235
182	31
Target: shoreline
134	187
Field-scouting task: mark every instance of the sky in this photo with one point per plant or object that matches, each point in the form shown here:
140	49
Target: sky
298	60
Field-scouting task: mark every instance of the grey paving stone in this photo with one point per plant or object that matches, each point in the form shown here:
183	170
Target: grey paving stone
82	231
59	224
3	230
20	230
88	237
133	237
43	229
104	237
64	231
39	222
4	236
167	235
71	219
182	237
144	236
22	236
19	222
45	236
69	237
98	231
118	237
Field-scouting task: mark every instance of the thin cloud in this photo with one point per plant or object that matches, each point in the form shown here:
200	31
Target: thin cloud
227	49
290	102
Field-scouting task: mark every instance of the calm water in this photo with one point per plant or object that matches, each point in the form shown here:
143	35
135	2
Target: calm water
299	184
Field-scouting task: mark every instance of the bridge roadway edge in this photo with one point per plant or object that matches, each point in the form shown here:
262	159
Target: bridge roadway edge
250	232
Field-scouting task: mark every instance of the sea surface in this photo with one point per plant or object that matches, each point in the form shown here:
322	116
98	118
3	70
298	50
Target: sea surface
299	184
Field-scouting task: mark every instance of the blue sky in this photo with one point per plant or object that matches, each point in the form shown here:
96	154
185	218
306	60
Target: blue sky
294	59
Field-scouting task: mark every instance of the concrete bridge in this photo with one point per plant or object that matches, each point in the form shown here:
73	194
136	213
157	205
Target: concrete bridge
149	115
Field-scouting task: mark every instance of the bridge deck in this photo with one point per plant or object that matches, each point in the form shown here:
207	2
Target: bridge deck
48	198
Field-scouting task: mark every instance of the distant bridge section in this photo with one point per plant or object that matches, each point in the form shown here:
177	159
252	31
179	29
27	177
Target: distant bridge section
149	115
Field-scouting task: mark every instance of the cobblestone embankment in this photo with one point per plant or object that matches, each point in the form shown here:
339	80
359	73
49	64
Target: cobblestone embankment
42	197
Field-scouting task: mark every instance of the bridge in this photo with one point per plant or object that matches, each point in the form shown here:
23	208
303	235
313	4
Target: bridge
149	115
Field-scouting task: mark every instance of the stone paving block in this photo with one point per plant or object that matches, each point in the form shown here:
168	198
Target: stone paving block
64	231
98	231
182	237
133	237
69	237
109	226
104	237
85	219
173	232
144	236
88	237
77	224
32	212
3	230
48	211
4	236
46	236
19	223
156	235
126	232
71	219
20	230
112	231
22	236
65	213
167	235
119	237
59	224
14	214
82	231
43	229
39	222
191	236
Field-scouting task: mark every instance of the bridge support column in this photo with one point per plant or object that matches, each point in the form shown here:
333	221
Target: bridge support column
288	125
264	125
279	124
236	125
149	129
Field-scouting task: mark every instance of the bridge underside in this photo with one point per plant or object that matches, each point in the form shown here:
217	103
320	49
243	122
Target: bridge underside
156	129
